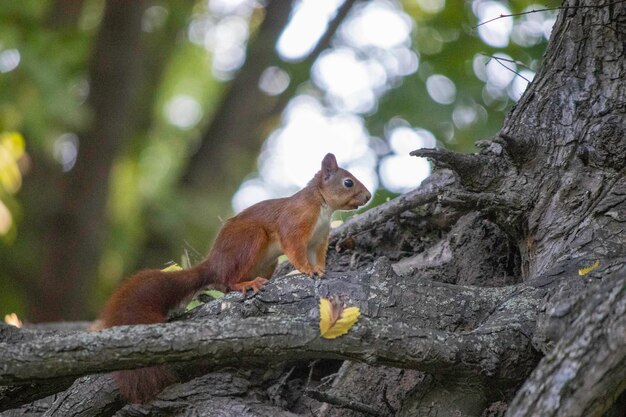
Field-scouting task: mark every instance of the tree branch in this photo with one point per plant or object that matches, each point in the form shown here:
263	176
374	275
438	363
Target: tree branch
255	340
547	9
379	293
100	389
16	395
300	71
475	170
424	194
461	163
379	337
344	402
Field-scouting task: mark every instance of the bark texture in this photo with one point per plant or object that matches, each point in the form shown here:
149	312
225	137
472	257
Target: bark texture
470	290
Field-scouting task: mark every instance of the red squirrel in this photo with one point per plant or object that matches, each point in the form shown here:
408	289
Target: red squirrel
244	256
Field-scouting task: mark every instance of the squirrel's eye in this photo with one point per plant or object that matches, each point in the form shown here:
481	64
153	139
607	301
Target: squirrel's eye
348	182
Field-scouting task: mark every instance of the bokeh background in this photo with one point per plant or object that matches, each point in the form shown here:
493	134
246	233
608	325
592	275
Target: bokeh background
129	130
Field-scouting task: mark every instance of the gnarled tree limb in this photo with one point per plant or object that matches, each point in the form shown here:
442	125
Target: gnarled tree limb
256	340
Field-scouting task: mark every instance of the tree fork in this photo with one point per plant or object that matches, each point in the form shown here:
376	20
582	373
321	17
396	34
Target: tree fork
424	194
470	167
506	209
518	149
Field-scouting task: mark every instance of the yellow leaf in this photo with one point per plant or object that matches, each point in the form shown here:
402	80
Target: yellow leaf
11	150
13	320
336	320
326	310
173	267
588	269
13	142
6	220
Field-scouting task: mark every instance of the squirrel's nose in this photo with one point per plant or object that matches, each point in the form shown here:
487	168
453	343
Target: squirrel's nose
368	195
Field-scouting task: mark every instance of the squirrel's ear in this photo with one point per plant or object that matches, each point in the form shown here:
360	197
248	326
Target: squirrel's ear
329	165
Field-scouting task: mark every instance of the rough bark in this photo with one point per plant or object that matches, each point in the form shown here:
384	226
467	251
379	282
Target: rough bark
586	371
465	284
422	340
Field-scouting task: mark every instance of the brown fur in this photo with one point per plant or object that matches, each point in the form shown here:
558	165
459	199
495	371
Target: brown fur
243	257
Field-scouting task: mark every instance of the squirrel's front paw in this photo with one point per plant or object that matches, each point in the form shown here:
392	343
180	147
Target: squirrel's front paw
319	271
307	270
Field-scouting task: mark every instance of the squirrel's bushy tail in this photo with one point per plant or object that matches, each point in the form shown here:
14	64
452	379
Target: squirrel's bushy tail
141	385
146	298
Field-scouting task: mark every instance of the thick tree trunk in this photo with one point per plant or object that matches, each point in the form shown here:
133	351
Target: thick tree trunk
471	297
586	370
75	233
571	127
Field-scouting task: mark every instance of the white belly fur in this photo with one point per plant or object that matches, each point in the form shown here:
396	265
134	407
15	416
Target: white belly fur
320	231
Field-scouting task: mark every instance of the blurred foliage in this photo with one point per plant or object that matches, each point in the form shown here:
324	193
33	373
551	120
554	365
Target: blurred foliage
11	156
457	45
43	97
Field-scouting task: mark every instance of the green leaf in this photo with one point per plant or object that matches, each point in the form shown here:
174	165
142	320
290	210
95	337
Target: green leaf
186	261
213	293
193	304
